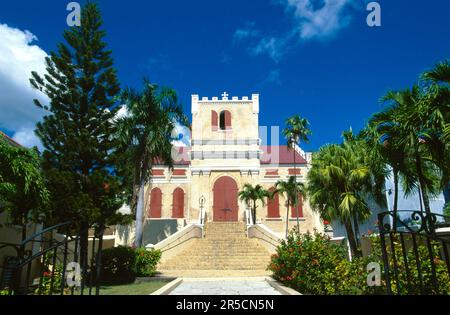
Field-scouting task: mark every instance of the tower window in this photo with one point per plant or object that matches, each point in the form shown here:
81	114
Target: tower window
225	120
214	122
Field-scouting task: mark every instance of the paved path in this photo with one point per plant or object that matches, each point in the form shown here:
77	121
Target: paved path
214	273
222	286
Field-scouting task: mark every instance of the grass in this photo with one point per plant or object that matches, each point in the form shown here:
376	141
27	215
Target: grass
143	288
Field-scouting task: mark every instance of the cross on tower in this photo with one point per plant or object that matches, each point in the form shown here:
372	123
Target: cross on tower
225	95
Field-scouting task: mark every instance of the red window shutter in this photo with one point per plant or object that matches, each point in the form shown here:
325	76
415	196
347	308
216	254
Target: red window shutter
214	120
272	173
296	171
179	172
158	173
227	120
299	208
178	203
273	206
155	204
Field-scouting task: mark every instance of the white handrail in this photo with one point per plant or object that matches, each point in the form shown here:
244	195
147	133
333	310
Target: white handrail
248	217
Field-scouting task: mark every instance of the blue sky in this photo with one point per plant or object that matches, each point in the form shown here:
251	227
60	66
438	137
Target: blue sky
315	58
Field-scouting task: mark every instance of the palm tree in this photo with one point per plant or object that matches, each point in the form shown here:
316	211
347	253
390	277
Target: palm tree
338	181
297	130
411	118
251	194
291	190
383	139
144	135
437	106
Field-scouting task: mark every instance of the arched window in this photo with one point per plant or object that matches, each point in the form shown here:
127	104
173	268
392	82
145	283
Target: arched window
225	120
273	205
299	208
178	204
214	120
154	212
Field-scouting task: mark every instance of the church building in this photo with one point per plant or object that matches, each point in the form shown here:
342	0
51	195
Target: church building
227	152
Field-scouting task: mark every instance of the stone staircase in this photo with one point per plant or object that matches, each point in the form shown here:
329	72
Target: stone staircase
225	249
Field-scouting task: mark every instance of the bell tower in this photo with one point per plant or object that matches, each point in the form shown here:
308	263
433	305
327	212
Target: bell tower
225	132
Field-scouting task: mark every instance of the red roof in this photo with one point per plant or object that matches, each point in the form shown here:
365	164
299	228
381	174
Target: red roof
277	155
9	140
280	155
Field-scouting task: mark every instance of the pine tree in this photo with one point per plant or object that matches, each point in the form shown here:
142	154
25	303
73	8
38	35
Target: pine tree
82	86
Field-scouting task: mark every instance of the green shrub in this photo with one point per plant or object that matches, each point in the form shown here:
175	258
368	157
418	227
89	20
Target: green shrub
123	264
45	287
118	265
4	292
407	280
312	264
146	262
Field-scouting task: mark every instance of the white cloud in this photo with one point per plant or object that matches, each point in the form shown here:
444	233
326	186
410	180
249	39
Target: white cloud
318	22
27	138
273	78
182	136
274	47
248	31
311	20
18	57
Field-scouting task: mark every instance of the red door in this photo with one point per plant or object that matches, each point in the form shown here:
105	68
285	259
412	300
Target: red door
225	205
273	205
298	209
155	204
178	204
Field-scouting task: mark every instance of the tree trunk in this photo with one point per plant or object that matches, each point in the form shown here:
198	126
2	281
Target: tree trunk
140	215
356	225
395	208
24	232
295	181
287	219
351	237
254	212
426	201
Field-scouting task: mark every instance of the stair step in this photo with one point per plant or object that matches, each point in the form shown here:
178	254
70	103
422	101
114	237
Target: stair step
224	247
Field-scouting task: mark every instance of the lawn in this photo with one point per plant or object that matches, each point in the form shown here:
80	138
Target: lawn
143	288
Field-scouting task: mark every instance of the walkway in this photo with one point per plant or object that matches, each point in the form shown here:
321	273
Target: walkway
223	286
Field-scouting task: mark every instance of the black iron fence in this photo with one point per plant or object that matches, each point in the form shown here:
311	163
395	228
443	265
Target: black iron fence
415	250
53	261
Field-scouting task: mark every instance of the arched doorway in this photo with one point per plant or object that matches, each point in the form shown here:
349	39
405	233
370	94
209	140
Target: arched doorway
178	204
225	206
154	212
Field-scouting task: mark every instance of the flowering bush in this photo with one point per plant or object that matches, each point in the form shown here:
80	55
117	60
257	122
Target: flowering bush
407	280
146	262
312	264
45	287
